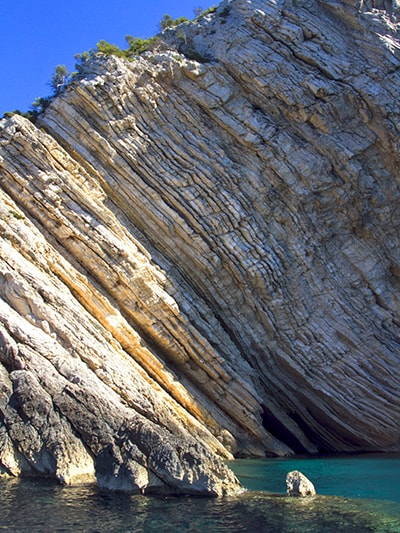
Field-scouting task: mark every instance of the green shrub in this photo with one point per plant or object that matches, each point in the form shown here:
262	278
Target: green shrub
38	106
109	49
82	59
59	79
180	20
26	114
138	46
200	12
168	22
16	215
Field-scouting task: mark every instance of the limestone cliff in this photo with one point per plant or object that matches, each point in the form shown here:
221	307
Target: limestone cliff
200	252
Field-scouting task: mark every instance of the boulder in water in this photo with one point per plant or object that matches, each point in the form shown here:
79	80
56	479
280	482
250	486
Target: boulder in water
298	485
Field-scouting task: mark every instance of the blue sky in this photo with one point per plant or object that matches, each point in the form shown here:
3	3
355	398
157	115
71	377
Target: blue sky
38	35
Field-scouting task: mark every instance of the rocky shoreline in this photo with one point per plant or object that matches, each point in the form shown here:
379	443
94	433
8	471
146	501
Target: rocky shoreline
199	253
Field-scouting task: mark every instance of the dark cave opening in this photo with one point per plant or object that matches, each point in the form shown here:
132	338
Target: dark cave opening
277	429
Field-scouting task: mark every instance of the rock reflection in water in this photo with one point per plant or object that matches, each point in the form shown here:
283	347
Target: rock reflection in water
44	507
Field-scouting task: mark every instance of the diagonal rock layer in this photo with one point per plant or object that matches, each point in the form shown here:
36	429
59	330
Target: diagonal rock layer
200	252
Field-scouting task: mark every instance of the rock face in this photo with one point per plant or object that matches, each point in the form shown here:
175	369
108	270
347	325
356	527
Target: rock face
200	253
297	484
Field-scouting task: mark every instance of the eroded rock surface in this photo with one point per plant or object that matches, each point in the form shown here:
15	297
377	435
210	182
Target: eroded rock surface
297	484
200	253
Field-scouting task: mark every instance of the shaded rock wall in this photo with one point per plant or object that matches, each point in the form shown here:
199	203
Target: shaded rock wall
200	252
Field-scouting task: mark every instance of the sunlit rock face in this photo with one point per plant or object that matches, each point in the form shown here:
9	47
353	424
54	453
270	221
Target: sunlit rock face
200	253
297	484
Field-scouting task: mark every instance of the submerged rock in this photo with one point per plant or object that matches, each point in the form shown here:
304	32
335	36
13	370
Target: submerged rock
200	253
298	484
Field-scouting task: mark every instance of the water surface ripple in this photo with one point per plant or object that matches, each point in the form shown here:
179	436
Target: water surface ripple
42	506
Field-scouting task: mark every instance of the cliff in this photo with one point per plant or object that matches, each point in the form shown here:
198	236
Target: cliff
200	252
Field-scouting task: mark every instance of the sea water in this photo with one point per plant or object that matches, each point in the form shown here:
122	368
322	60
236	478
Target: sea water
355	495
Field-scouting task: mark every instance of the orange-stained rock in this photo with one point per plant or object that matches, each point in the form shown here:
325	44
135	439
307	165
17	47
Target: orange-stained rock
199	253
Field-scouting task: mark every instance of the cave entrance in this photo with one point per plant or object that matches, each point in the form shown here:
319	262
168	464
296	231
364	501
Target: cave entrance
278	430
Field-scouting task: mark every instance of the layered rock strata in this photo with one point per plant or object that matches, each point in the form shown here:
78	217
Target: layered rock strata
200	253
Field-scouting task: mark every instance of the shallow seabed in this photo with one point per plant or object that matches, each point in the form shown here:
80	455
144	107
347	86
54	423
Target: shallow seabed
41	506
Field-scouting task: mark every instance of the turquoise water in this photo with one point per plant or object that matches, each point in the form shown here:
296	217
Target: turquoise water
356	495
374	476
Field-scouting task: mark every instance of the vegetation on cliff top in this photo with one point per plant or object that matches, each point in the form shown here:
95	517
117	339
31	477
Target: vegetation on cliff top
136	46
